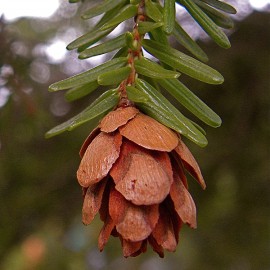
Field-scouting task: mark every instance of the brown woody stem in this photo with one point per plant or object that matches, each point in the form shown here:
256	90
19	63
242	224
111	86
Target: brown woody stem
133	53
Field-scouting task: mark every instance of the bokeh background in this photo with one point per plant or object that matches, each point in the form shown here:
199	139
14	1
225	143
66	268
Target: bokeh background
40	199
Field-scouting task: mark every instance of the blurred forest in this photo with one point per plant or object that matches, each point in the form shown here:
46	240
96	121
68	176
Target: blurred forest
40	205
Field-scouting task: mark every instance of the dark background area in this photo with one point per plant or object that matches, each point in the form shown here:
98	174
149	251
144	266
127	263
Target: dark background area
40	199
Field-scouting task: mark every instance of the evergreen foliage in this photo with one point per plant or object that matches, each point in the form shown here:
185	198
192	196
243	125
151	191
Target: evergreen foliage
132	77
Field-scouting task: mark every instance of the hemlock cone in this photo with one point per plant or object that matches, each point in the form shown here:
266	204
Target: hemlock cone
133	173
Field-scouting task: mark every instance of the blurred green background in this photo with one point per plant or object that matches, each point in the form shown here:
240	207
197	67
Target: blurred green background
40	199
